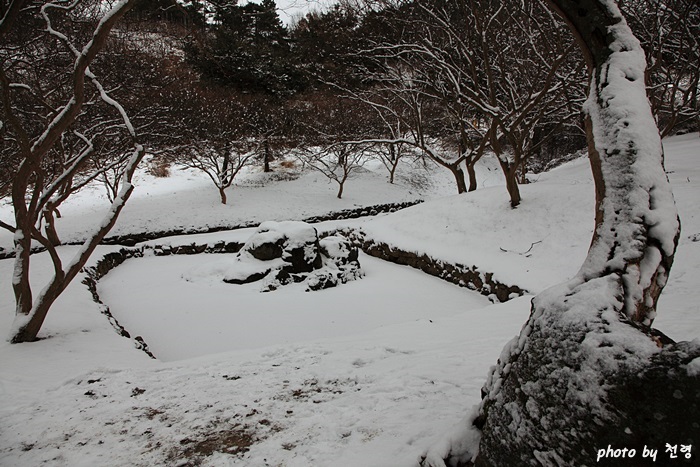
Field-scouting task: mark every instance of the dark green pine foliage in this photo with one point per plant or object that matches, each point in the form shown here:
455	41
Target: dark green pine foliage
247	48
190	14
327	45
335	46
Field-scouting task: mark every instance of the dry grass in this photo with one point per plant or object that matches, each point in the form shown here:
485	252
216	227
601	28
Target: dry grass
158	168
235	441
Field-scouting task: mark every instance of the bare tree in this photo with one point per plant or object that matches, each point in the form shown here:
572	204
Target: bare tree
549	93
587	370
391	154
669	31
336	162
486	76
402	99
333	130
509	67
448	55
220	161
42	111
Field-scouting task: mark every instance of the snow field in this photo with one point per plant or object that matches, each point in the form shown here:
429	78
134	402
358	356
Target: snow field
370	373
181	319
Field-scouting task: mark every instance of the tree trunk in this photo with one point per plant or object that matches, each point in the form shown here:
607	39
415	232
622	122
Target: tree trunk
30	313
587	370
393	161
340	189
222	195
50	227
513	188
511	174
459	178
28	330
28	321
472	177
20	278
268	157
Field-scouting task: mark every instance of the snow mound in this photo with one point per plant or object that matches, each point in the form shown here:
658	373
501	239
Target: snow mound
282	253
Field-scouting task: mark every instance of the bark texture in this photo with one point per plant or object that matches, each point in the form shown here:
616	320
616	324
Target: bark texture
459	178
587	370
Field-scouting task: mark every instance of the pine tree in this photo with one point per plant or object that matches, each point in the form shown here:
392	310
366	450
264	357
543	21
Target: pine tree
249	49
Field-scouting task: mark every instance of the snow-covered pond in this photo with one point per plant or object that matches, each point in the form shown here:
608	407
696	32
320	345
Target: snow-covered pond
181	319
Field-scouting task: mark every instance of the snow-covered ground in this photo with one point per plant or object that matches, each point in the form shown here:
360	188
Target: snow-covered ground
369	373
188	200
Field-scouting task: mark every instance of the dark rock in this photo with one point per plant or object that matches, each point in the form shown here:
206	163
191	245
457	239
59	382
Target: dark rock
268	251
572	389
340	249
296	254
248	279
322	281
299	260
296	243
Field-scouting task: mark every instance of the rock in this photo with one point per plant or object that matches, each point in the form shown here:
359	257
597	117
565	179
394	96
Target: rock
267	251
322	281
296	243
282	253
339	249
246	279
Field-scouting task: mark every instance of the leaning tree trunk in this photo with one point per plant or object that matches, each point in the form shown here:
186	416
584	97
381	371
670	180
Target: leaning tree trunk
341	183
471	172
587	371
30	314
31	311
222	195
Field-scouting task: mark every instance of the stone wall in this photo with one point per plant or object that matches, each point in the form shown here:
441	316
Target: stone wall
136	238
112	260
459	274
133	239
95	273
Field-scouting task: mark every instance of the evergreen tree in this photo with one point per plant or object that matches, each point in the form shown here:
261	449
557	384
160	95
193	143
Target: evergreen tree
168	11
326	45
248	48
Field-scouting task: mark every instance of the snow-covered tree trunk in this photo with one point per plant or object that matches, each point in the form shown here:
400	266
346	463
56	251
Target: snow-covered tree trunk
587	370
34	202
